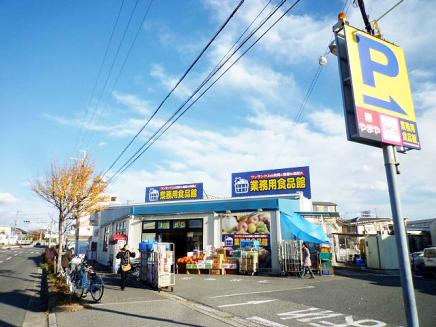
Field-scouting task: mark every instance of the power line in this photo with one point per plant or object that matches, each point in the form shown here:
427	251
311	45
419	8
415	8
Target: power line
101	65
216	68
140	26
176	85
120	44
387	12
312	84
214	71
126	166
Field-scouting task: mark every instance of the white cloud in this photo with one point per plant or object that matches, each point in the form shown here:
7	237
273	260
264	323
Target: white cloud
347	173
293	40
7	198
168	81
133	102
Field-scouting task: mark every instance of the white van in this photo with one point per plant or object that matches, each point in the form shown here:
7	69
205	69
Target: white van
429	255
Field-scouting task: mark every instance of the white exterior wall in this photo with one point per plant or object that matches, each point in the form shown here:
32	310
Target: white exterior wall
7	230
134	234
102	256
275	239
305	204
381	252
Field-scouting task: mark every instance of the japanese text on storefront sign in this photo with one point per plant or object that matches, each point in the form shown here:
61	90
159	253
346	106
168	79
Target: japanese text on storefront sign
263	239
279	181
174	192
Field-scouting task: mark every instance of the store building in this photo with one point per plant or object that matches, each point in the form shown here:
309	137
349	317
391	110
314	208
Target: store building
192	224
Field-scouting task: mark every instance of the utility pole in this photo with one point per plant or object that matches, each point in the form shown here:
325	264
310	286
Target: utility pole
15	226
50	231
368	26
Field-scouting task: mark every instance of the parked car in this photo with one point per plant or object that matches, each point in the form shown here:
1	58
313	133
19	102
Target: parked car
417	261
429	256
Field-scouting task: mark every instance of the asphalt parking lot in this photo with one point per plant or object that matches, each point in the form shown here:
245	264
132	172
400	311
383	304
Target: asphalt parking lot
349	299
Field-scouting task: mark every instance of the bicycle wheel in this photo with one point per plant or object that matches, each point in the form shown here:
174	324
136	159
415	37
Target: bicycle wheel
77	288
96	288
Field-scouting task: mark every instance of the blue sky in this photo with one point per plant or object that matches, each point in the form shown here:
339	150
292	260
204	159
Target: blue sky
52	51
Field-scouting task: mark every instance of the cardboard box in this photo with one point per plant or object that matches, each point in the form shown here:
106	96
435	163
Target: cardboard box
217	272
218	259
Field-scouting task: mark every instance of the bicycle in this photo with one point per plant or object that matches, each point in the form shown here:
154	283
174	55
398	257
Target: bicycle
66	276
85	279
136	269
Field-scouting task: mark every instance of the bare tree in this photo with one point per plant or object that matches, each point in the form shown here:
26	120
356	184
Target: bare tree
74	191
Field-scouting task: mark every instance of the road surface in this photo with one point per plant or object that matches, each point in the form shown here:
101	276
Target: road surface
19	285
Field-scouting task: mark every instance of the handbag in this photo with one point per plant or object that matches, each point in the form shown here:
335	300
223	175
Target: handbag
126	267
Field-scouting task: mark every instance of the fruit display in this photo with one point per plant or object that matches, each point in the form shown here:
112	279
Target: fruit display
254	223
193	259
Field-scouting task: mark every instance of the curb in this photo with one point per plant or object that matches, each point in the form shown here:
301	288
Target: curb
223	316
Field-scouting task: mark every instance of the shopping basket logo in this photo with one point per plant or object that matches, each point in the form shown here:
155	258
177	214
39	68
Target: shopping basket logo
241	185
153	195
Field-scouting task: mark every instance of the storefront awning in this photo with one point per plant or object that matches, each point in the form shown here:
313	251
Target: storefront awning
118	237
295	226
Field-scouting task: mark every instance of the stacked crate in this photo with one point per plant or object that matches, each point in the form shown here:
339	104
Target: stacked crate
249	262
325	261
217	264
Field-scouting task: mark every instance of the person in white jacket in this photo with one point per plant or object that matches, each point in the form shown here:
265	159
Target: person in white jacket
307	263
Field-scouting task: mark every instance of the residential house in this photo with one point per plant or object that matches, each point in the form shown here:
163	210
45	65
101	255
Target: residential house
368	226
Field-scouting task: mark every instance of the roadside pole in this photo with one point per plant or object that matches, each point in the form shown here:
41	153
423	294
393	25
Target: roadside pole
372	120
50	231
400	237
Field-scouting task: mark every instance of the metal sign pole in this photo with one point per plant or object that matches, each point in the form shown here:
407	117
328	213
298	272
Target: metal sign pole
400	238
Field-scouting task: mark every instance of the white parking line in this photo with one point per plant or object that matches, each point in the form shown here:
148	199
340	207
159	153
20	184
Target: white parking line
265	322
1	261
8	258
245	303
15	254
260	292
121	303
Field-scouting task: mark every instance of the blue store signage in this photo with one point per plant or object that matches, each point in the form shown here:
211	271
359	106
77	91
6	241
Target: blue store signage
192	191
272	182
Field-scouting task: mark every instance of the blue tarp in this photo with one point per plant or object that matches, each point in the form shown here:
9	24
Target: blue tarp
296	226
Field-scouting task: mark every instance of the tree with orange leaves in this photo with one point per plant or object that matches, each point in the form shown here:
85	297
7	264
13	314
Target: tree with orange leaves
74	191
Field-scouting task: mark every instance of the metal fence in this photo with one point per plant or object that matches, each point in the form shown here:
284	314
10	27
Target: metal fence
290	257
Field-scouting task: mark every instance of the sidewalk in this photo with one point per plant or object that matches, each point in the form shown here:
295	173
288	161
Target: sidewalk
136	306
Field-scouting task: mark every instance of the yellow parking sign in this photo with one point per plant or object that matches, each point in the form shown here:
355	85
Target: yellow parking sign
381	91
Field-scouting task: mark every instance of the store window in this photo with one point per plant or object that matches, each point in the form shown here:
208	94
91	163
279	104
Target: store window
147	225
163	225
196	223
179	224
